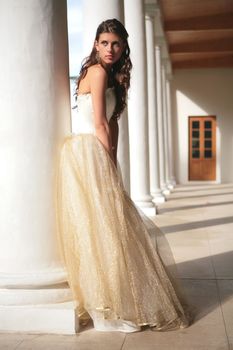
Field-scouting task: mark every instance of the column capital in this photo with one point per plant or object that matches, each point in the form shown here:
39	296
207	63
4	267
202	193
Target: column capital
159	41
168	67
152	10
162	42
149	17
169	76
166	62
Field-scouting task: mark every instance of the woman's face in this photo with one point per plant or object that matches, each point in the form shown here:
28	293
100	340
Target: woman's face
110	47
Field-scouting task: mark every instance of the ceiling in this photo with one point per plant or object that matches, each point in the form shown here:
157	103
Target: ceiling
199	32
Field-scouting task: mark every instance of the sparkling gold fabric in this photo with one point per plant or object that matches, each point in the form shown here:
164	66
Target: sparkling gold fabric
114	269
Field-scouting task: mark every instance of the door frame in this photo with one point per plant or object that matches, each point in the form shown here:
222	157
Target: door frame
216	150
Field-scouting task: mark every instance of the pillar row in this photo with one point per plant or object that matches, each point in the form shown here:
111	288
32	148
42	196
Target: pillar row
160	113
165	128
137	107
152	113
172	180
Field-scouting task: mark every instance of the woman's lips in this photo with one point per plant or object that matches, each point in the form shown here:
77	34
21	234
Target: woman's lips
109	56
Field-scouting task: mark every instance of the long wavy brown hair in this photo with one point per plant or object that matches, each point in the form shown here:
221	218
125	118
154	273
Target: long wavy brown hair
119	76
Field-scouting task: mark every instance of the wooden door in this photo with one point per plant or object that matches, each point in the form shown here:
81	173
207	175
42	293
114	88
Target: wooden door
202	148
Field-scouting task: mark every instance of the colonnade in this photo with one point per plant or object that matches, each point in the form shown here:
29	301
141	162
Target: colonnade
35	112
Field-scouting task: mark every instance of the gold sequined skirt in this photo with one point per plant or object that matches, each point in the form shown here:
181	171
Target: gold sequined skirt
114	269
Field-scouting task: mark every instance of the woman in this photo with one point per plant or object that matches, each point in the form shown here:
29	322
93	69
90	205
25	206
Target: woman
115	273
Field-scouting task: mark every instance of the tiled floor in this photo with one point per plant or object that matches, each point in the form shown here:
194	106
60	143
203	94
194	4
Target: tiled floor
198	223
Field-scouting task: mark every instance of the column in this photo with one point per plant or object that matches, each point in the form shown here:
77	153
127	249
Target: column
94	12
170	128
152	114
160	112
165	127
123	150
35	116
137	107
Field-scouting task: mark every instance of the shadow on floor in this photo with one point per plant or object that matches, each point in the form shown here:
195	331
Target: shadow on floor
196	225
196	188
186	207
174	198
206	294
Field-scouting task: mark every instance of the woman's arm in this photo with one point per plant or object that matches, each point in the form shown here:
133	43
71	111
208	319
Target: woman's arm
98	84
114	128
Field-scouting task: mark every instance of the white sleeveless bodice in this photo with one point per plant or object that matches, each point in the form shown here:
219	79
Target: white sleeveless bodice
83	115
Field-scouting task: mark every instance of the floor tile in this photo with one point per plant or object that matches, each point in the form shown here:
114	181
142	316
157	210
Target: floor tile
226	297
9	341
97	340
88	340
191	253
222	257
207	331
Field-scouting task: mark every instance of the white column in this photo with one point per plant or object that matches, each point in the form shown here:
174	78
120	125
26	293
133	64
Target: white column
94	12
165	126
160	112
152	114
35	116
170	128
137	107
123	150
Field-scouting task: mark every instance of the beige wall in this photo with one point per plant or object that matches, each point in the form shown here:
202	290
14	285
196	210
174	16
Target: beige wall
203	92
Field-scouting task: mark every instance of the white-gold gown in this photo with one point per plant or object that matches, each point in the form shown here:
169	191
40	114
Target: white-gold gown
114	270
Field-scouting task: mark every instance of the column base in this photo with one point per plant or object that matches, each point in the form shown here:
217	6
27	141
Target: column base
146	205
166	191
48	318
164	188
32	279
35	305
173	181
171	184
158	198
149	211
55	294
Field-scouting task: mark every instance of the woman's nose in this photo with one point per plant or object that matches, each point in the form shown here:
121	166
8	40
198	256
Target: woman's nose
109	48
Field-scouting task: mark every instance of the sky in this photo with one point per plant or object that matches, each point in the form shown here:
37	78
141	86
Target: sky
75	25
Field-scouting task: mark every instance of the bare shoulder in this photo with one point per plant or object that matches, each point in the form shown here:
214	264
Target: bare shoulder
97	72
96	78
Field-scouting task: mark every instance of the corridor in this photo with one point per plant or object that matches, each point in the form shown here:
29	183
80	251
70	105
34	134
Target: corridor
198	223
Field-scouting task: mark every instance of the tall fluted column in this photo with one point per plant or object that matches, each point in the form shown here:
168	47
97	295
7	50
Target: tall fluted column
123	150
165	126
35	116
152	114
137	107
160	112
94	13
170	140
